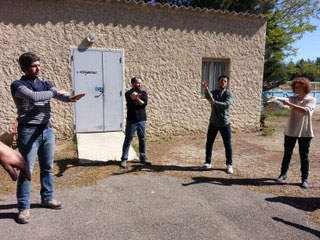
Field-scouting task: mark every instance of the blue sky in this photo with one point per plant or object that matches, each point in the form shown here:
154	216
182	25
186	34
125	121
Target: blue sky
309	45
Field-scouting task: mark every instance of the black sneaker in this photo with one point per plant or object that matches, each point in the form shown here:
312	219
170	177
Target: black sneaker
281	178
145	162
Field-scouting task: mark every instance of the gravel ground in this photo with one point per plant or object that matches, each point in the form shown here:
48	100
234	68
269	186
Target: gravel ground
151	206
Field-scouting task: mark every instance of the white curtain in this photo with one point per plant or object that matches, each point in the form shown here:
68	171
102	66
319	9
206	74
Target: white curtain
211	70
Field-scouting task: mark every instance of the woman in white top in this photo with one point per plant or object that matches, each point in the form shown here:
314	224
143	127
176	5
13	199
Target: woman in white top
299	127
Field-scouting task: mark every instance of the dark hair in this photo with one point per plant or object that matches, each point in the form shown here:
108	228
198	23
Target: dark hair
26	59
304	82
134	79
223	76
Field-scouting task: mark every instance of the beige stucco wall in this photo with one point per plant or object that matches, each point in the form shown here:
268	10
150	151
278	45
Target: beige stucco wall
163	45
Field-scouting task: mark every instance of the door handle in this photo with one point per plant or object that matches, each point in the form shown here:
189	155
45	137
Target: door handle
99	89
98	95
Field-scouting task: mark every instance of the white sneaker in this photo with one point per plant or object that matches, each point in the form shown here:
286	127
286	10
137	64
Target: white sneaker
229	169
304	184
123	164
24	216
206	165
54	204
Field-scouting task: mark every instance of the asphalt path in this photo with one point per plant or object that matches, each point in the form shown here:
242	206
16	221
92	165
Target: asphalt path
153	206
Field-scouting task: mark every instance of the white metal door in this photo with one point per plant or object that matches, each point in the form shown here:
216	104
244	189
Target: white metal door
113	78
98	74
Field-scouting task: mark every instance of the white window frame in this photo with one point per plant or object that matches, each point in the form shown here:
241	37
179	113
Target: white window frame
211	69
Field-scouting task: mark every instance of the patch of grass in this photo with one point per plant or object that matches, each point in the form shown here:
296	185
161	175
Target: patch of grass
66	150
275	110
315	216
167	138
316	117
160	139
155	140
278	113
267	131
272	115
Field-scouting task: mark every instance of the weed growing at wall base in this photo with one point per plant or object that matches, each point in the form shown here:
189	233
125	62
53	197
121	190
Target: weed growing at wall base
268	131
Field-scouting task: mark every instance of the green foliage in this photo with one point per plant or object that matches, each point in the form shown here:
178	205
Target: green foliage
288	21
245	6
309	69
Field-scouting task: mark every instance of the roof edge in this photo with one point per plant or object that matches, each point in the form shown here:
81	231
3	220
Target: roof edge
191	9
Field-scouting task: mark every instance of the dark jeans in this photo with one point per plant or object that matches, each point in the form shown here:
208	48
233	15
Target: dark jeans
304	144
131	129
225	132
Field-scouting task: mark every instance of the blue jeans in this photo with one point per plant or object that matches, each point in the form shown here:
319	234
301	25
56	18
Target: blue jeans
131	129
304	145
33	141
225	132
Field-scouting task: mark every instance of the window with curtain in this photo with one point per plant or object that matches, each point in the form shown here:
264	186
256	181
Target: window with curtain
211	70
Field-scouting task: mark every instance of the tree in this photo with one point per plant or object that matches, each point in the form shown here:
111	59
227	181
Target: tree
303	68
288	21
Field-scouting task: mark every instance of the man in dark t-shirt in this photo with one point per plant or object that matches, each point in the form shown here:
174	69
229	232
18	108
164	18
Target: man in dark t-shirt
137	101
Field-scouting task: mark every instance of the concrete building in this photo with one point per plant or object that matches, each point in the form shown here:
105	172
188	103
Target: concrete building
172	48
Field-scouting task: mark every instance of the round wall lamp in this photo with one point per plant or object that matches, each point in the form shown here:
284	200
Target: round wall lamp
91	37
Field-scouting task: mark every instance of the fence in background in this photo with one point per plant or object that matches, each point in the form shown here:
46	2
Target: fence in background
285	91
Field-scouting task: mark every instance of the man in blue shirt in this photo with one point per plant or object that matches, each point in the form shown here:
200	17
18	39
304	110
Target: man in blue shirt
220	100
35	136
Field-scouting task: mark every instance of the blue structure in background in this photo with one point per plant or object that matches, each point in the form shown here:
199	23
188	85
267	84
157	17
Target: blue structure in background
287	93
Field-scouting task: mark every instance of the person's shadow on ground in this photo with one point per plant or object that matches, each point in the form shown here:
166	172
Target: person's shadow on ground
298	226
68	163
13	215
236	181
137	166
303	203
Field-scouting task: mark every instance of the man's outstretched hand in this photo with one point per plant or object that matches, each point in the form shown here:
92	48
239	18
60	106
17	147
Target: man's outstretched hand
76	97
